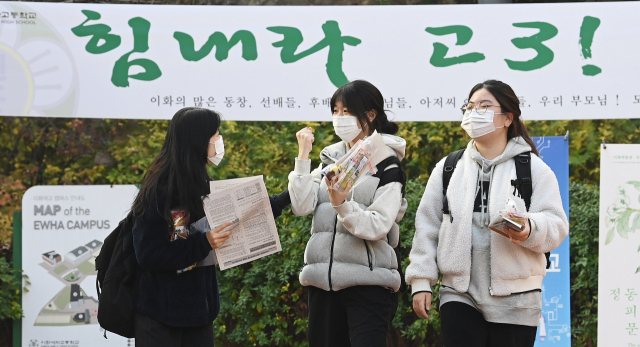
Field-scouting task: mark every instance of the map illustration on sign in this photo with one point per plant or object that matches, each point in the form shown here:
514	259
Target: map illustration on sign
551	329
71	305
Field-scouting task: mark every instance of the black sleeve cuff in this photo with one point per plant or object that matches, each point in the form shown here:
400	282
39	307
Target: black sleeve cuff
283	199
279	202
422	291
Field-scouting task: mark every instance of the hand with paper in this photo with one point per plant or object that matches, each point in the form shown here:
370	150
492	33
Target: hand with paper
218	236
252	234
513	224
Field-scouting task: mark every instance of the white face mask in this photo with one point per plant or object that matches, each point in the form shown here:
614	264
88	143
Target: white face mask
219	145
477	125
346	127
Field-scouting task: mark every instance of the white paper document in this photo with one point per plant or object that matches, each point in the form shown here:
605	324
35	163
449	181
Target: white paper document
245	202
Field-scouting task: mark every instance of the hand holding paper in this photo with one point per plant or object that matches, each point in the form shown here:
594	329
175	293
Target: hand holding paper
252	231
217	237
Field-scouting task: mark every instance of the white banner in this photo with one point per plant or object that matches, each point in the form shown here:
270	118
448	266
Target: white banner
283	63
63	228
619	267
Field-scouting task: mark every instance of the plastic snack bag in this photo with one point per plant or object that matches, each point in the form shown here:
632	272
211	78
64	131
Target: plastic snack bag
511	218
180	225
352	165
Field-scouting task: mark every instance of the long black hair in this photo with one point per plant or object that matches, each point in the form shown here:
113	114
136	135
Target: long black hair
361	97
509	103
180	168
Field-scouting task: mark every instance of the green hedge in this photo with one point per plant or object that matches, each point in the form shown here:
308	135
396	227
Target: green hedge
263	302
40	151
584	204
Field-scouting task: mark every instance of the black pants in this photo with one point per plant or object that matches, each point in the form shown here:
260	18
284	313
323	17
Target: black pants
151	333
463	325
353	317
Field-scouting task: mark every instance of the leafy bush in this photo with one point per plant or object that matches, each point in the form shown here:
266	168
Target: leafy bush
9	291
584	206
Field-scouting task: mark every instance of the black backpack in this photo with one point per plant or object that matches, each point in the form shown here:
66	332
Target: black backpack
522	184
117	280
395	174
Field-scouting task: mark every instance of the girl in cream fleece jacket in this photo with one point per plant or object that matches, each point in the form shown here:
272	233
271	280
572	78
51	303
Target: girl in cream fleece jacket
490	293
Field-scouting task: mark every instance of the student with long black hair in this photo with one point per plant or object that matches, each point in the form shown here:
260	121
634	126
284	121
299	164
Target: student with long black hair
177	301
490	293
350	268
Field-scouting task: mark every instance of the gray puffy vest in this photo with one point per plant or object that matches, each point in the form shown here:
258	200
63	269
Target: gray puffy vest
334	259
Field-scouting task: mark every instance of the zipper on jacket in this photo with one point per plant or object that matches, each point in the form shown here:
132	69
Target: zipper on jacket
333	241
368	255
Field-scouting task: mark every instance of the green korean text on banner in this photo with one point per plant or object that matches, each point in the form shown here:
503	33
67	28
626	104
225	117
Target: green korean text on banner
283	63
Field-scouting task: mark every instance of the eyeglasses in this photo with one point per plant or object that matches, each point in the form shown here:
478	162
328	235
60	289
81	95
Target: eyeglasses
480	108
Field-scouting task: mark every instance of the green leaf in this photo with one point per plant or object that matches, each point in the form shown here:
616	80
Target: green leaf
636	222
622	223
610	235
636	184
638	270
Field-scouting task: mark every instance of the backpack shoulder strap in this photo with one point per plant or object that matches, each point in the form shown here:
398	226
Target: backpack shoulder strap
523	183
449	165
395	174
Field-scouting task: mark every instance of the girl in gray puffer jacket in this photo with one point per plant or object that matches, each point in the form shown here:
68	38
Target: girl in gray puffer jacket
350	266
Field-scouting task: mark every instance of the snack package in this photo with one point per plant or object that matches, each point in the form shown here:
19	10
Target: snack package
511	218
180	225
352	165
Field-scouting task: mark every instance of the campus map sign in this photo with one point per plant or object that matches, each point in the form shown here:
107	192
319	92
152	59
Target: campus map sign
280	63
63	228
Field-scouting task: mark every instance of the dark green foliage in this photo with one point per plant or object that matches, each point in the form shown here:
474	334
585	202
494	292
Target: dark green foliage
10	283
262	302
584	203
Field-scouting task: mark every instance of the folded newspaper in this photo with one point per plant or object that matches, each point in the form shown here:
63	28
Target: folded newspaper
245	203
